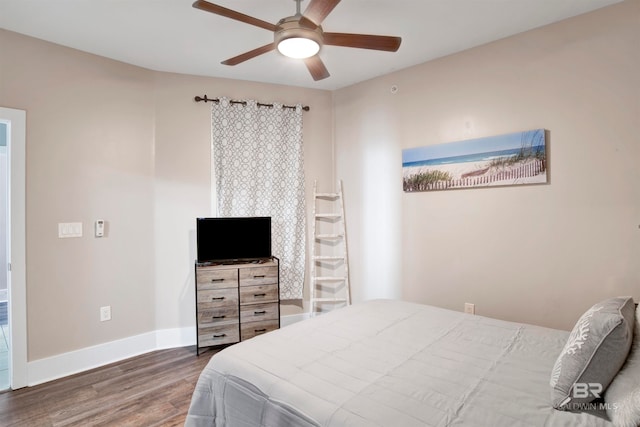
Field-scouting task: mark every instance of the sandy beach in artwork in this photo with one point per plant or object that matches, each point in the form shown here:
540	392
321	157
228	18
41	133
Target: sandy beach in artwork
455	169
470	170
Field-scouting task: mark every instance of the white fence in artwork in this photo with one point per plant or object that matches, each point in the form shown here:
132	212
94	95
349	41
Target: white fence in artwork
533	168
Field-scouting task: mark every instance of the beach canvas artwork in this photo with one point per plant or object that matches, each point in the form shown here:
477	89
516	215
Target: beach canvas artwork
511	159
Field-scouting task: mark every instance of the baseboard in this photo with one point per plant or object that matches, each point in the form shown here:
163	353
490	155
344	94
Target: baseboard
293	318
73	362
176	337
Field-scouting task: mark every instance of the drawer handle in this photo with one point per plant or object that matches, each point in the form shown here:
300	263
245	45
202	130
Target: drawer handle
259	277
217	280
219	335
260	312
260	330
217	298
218	317
259	295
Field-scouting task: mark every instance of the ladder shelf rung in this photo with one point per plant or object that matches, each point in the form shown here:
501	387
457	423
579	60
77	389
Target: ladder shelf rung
329	300
328	215
329	236
329	279
327	195
328	258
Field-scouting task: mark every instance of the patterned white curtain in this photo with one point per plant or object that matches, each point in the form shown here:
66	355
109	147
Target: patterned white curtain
259	171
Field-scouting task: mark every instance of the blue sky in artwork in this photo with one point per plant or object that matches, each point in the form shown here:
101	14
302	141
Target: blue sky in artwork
461	148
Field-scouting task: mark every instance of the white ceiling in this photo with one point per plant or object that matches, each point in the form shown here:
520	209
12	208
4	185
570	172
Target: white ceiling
171	35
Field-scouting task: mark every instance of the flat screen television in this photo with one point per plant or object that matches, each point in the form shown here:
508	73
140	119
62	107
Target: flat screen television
243	238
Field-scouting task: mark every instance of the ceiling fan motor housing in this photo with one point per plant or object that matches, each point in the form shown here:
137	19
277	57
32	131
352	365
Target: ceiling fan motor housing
290	28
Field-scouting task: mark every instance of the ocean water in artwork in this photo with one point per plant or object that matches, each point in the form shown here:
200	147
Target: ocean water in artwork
476	157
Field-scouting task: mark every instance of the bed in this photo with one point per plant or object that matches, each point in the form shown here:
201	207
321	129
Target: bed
388	363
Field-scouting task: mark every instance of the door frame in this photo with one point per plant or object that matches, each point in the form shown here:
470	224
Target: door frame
16	121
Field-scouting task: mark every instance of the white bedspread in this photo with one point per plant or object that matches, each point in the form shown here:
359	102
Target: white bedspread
387	363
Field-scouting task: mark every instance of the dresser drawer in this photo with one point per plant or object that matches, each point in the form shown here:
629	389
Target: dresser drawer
258	276
216	335
218	316
257	294
251	329
259	312
217	298
212	278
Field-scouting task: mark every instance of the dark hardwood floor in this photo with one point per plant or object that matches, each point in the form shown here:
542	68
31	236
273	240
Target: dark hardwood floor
153	389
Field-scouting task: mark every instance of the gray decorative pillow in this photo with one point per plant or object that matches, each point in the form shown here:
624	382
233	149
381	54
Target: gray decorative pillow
593	354
622	399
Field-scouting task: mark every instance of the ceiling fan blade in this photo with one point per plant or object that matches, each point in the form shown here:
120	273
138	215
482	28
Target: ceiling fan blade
317	11
363	41
251	54
228	13
316	68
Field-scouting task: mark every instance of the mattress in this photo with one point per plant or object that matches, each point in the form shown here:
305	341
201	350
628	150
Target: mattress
387	363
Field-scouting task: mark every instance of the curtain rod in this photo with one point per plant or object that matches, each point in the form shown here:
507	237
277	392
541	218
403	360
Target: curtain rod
216	100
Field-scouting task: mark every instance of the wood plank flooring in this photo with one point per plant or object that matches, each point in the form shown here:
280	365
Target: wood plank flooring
153	389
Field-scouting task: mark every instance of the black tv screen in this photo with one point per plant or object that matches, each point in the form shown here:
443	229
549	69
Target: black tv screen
233	238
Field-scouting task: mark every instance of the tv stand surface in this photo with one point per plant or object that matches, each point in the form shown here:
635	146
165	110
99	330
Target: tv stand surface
236	300
234	262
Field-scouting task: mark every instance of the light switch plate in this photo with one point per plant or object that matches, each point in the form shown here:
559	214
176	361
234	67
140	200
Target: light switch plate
69	229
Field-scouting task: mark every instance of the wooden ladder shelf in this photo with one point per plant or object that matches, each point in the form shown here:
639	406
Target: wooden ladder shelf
329	252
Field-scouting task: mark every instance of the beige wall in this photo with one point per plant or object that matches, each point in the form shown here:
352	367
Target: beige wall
540	254
113	141
89	156
128	145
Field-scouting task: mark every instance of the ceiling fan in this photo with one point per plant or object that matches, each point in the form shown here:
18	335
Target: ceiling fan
301	35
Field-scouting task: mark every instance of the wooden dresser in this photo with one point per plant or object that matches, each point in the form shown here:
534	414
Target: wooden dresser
236	301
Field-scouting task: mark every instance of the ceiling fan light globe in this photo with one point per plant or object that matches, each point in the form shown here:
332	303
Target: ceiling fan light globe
298	47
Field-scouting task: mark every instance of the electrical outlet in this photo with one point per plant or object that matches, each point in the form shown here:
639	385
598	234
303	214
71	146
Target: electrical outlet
105	313
469	308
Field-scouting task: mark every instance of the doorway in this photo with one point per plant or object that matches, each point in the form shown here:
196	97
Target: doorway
13	253
4	292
